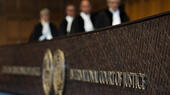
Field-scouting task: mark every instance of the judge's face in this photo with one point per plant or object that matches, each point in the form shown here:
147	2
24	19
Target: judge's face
70	10
85	6
114	4
45	18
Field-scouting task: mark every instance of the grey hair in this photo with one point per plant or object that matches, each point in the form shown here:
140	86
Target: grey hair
110	0
44	11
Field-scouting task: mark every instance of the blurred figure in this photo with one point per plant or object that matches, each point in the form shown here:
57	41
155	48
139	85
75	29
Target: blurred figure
111	16
66	24
85	21
44	30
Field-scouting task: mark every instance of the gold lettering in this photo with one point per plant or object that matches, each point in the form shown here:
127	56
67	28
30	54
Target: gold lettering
111	78
129	80
134	80
143	81
96	76
91	76
137	84
119	78
125	84
31	71
116	79
101	78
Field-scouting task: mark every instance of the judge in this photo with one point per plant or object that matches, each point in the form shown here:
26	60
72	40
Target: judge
111	16
44	30
85	21
66	24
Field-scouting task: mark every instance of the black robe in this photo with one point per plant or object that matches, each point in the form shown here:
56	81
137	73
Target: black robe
105	18
62	31
37	32
78	24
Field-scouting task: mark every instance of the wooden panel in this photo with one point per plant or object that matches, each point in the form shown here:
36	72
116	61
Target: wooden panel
131	59
11	7
3	32
141	8
1	8
98	4
28	7
13	25
19	16
27	26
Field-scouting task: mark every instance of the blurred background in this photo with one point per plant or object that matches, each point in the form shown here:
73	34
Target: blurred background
18	17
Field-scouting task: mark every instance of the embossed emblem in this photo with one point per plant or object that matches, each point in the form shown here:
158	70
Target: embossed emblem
53	73
47	72
59	72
